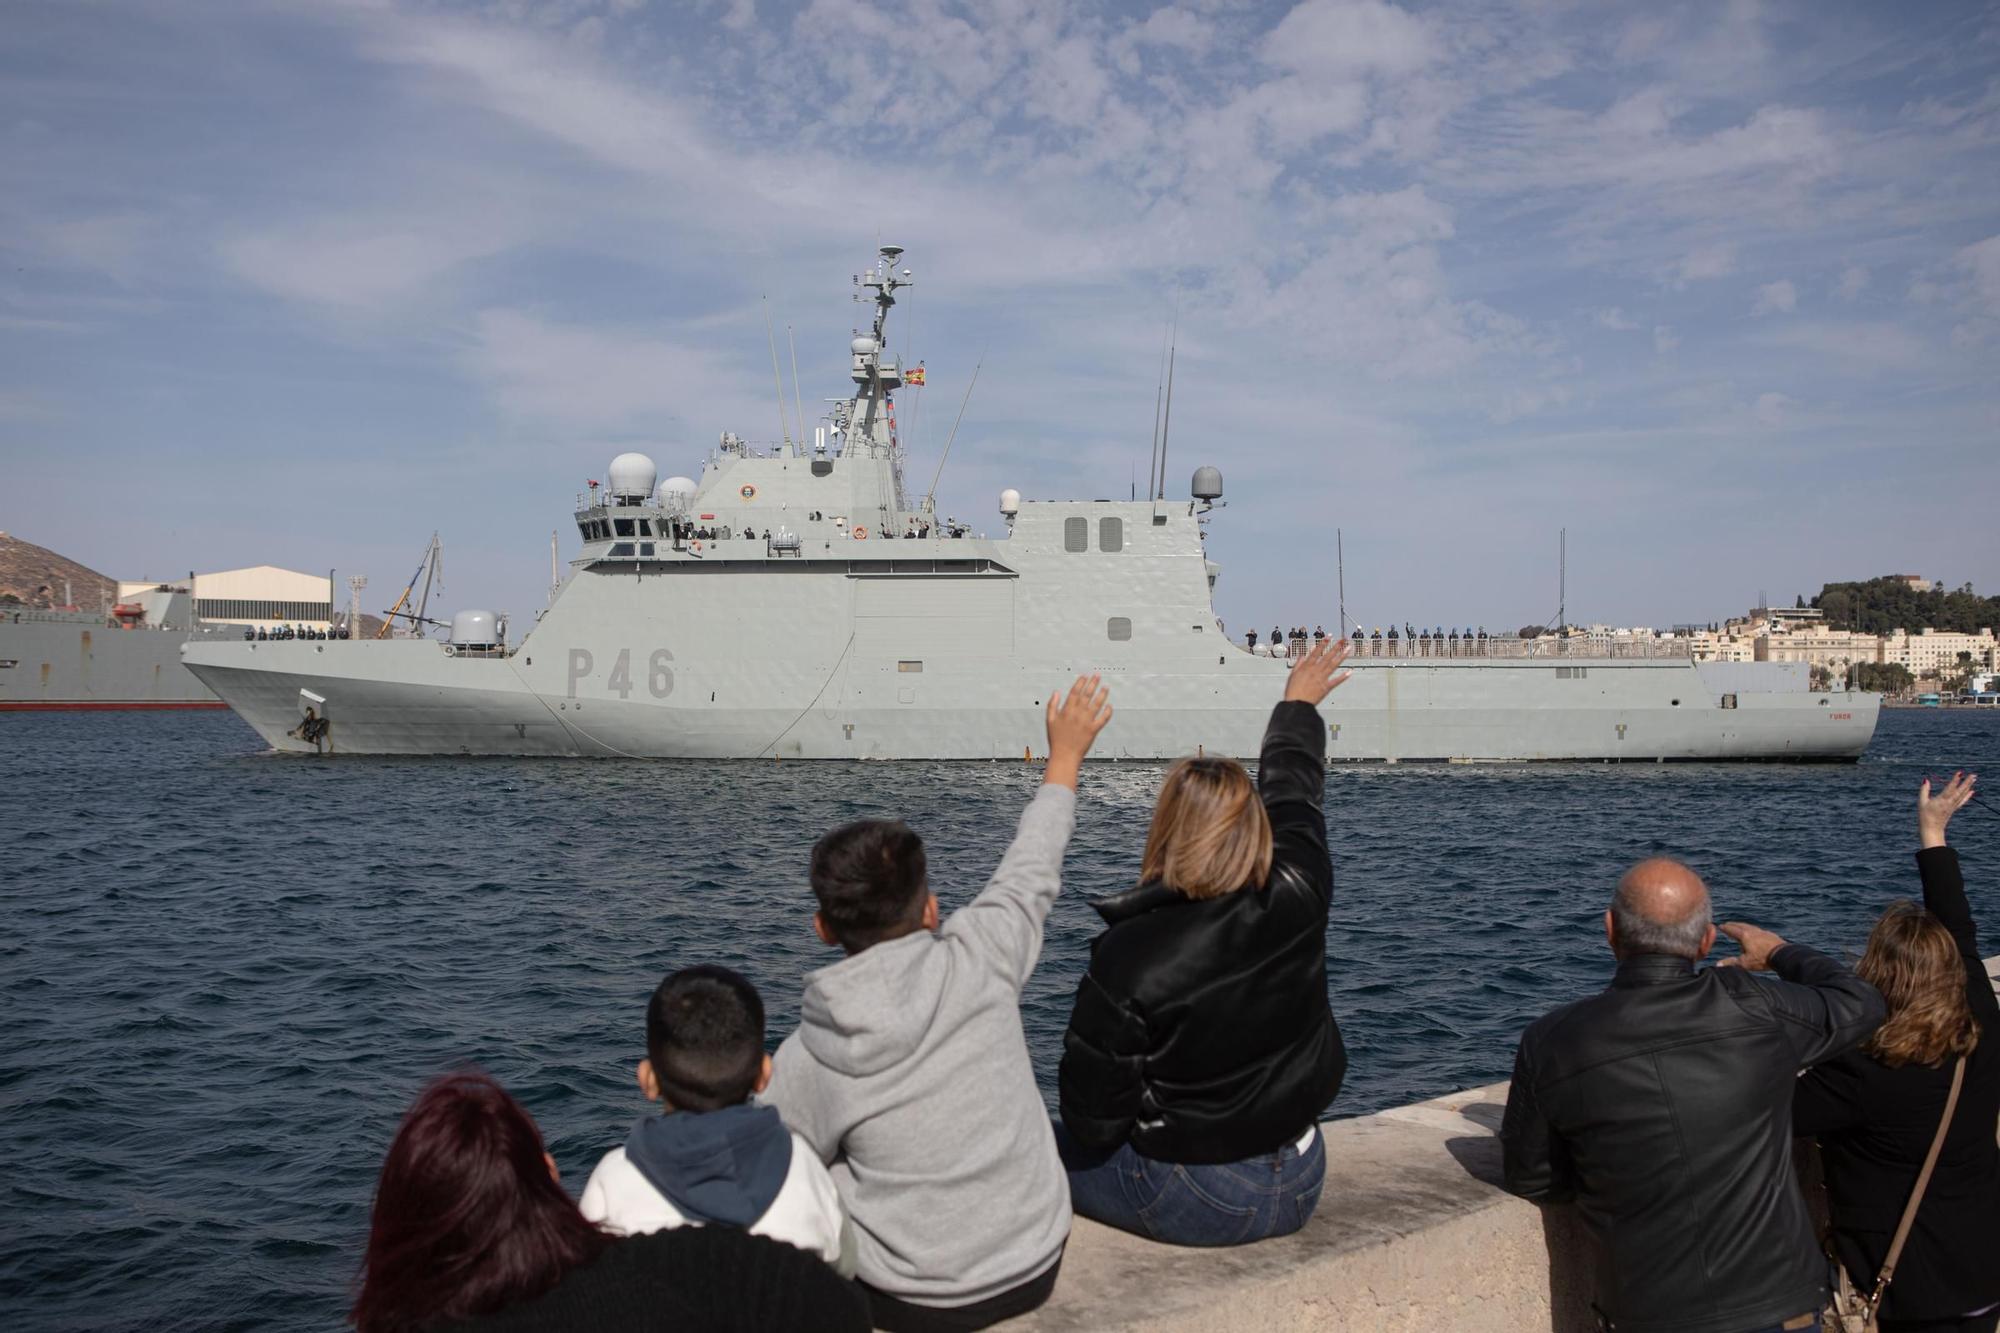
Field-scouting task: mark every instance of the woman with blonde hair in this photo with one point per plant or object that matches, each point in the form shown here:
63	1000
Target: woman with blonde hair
1202	1050
1876	1110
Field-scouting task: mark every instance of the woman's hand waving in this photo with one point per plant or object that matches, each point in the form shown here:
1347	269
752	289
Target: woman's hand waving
1318	673
1073	726
1934	812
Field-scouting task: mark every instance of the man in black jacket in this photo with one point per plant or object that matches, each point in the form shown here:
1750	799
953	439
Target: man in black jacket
1662	1106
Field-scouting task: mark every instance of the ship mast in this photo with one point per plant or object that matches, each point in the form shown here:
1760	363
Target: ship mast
871	423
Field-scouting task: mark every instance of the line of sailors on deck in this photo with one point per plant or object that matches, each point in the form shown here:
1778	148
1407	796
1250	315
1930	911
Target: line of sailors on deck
1435	642
294	632
914	528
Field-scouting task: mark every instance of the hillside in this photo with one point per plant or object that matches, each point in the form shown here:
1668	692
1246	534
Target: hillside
36	575
1881	605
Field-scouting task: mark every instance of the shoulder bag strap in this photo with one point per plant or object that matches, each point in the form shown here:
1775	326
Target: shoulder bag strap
1917	1194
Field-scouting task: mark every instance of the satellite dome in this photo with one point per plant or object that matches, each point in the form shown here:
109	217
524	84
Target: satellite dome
475	629
1207	484
631	478
863	346
1010	502
676	494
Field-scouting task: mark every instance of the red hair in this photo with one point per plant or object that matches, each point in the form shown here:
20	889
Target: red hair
467	1217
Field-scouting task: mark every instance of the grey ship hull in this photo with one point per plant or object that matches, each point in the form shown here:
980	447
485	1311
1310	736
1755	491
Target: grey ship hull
418	702
943	649
82	663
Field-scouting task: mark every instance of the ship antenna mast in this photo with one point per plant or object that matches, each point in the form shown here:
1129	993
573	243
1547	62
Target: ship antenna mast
1167	422
1340	564
777	382
1562	579
798	403
1159	388
930	500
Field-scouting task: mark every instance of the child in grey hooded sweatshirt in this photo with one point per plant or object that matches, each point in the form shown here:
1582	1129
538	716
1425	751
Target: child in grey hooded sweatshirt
909	1073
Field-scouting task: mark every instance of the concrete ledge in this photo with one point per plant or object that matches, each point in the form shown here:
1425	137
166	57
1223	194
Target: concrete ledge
1412	1232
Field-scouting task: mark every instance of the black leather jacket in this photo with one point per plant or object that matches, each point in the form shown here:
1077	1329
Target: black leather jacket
1201	1031
1663	1106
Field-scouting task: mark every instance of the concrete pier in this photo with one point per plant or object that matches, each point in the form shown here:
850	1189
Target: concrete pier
1413	1232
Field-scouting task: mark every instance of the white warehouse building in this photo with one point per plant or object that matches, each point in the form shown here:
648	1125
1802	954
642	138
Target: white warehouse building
260	597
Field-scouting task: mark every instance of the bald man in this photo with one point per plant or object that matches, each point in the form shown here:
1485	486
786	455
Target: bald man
1662	1106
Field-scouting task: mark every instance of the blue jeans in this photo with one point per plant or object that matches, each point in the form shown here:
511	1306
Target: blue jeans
1231	1203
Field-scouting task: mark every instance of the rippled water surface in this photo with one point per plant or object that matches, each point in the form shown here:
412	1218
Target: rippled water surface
224	972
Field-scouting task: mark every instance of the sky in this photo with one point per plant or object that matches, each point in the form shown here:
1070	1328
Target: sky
1714	287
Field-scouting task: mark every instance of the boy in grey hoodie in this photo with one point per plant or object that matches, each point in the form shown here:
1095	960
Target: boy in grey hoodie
909	1073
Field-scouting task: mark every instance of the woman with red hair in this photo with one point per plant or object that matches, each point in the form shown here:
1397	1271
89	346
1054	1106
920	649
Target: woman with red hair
1877	1109
472	1229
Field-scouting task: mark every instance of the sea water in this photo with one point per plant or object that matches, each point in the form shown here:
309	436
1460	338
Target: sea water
225	972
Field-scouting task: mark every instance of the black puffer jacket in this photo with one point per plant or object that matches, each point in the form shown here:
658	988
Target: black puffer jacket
1663	1106
1201	1031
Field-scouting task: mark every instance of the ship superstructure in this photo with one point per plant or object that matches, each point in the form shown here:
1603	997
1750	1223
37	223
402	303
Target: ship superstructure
792	602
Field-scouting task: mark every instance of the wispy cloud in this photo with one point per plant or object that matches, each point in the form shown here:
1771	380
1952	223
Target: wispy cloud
1419	257
1775	298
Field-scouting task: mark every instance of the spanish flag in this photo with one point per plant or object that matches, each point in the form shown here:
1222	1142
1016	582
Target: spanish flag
916	376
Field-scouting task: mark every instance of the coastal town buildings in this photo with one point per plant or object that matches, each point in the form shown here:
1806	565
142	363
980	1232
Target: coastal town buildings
1801	634
1936	652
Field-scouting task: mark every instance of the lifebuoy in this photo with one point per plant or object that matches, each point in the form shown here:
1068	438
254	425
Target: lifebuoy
694	546
860	534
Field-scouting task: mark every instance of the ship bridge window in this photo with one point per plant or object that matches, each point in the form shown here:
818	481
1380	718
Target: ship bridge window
587	528
645	548
622	526
1110	534
646	528
1118	629
1076	534
621	548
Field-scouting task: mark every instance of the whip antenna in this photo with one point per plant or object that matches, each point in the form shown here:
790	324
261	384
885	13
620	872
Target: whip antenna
930	499
1167	421
1340	563
777	383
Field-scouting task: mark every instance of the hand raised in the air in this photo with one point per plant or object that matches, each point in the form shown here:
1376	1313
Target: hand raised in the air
1758	945
1935	812
1318	673
1073	724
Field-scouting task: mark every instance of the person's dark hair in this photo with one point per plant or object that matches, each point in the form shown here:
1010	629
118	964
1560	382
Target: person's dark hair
869	877
705	1037
467	1217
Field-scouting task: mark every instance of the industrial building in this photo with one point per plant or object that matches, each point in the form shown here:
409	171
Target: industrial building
260	597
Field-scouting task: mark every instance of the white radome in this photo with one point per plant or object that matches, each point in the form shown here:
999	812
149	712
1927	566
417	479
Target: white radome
1010	502
676	493
631	475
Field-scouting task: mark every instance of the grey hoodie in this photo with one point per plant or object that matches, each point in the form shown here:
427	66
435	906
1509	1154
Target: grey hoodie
909	1074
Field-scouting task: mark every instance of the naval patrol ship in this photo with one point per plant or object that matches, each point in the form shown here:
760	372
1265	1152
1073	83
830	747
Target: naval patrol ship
793	603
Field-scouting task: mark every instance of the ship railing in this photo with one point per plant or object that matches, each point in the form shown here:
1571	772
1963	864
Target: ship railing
21	615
